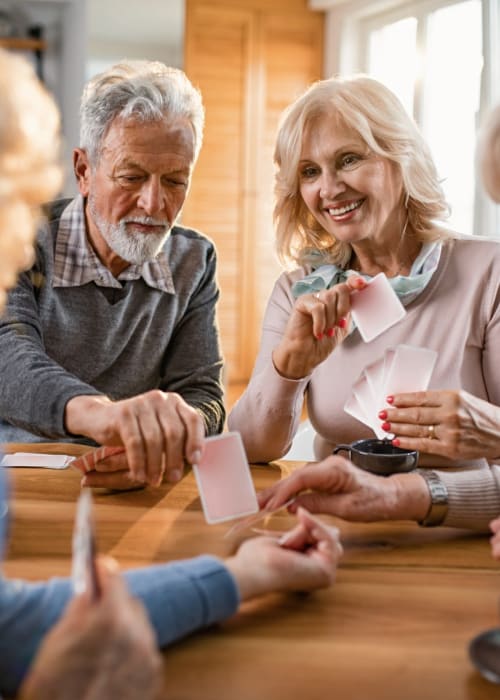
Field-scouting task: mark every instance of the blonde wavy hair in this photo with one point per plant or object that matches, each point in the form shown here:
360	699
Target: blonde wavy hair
30	173
370	109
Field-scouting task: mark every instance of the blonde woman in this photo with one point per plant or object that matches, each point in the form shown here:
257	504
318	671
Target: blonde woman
357	194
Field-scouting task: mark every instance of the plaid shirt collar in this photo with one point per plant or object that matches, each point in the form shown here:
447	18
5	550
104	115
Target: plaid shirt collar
76	264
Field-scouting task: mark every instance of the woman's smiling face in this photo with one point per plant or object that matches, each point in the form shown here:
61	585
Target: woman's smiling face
353	193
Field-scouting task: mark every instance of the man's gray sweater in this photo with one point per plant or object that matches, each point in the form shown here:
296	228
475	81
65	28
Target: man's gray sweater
61	342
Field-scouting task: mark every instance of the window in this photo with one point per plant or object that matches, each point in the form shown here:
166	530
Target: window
441	57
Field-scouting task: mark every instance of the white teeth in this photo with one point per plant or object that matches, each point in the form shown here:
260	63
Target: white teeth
344	210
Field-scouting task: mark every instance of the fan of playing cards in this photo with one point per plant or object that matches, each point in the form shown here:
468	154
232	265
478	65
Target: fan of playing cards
402	369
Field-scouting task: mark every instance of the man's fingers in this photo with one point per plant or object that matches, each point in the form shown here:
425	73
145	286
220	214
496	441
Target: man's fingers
133	441
195	433
105	458
119	481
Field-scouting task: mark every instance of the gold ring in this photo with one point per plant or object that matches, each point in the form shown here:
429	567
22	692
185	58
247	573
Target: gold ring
431	432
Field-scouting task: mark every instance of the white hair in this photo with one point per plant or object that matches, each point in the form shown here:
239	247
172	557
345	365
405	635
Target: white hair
143	90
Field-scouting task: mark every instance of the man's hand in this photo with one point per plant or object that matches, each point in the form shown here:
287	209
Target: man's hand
303	560
159	432
336	487
98	649
106	467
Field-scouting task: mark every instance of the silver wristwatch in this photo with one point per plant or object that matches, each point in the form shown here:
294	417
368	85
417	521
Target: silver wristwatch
439	498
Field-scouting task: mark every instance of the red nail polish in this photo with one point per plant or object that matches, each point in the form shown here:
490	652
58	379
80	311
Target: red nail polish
386	426
342	323
389	399
396	442
319	336
382	415
330	332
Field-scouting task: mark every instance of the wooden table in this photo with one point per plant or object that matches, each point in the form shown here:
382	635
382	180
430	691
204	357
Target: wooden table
395	626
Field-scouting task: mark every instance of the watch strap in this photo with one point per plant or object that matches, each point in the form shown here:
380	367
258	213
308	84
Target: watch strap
439	498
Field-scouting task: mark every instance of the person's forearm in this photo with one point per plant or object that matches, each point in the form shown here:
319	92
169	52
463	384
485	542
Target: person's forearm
33	387
289	364
473	497
411	499
249	583
181	597
27	612
486	419
81	414
268	414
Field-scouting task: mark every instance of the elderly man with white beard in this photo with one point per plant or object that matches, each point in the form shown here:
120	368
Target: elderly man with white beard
113	330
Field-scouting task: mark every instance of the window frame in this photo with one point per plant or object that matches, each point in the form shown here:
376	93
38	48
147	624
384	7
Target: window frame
346	51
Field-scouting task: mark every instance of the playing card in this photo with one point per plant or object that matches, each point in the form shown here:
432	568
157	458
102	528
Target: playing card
35	459
374	374
354	409
251	520
84	573
404	368
376	308
369	404
410	370
224	480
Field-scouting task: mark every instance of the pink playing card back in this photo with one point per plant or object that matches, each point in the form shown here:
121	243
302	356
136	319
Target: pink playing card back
369	404
354	409
410	370
224	480
376	308
374	373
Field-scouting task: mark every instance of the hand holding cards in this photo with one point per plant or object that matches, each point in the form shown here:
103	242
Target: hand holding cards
402	369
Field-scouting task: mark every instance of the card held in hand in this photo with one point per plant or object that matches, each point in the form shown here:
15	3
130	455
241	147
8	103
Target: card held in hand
224	480
84	574
376	308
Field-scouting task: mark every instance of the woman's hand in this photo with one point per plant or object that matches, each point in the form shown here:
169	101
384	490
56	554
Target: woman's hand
452	424
318	323
337	487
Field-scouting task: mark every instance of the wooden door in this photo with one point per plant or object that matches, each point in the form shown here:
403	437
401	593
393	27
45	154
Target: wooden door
250	59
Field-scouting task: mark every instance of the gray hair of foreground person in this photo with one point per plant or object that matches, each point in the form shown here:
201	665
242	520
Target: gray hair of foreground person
30	172
147	91
371	110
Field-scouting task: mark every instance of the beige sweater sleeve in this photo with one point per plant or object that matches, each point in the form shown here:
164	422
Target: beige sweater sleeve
473	497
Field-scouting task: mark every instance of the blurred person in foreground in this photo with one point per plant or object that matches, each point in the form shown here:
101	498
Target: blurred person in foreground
54	646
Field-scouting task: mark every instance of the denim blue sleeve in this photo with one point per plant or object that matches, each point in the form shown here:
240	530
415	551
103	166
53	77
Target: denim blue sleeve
180	597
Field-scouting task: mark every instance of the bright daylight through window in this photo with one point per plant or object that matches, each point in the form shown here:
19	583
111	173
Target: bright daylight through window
424	59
